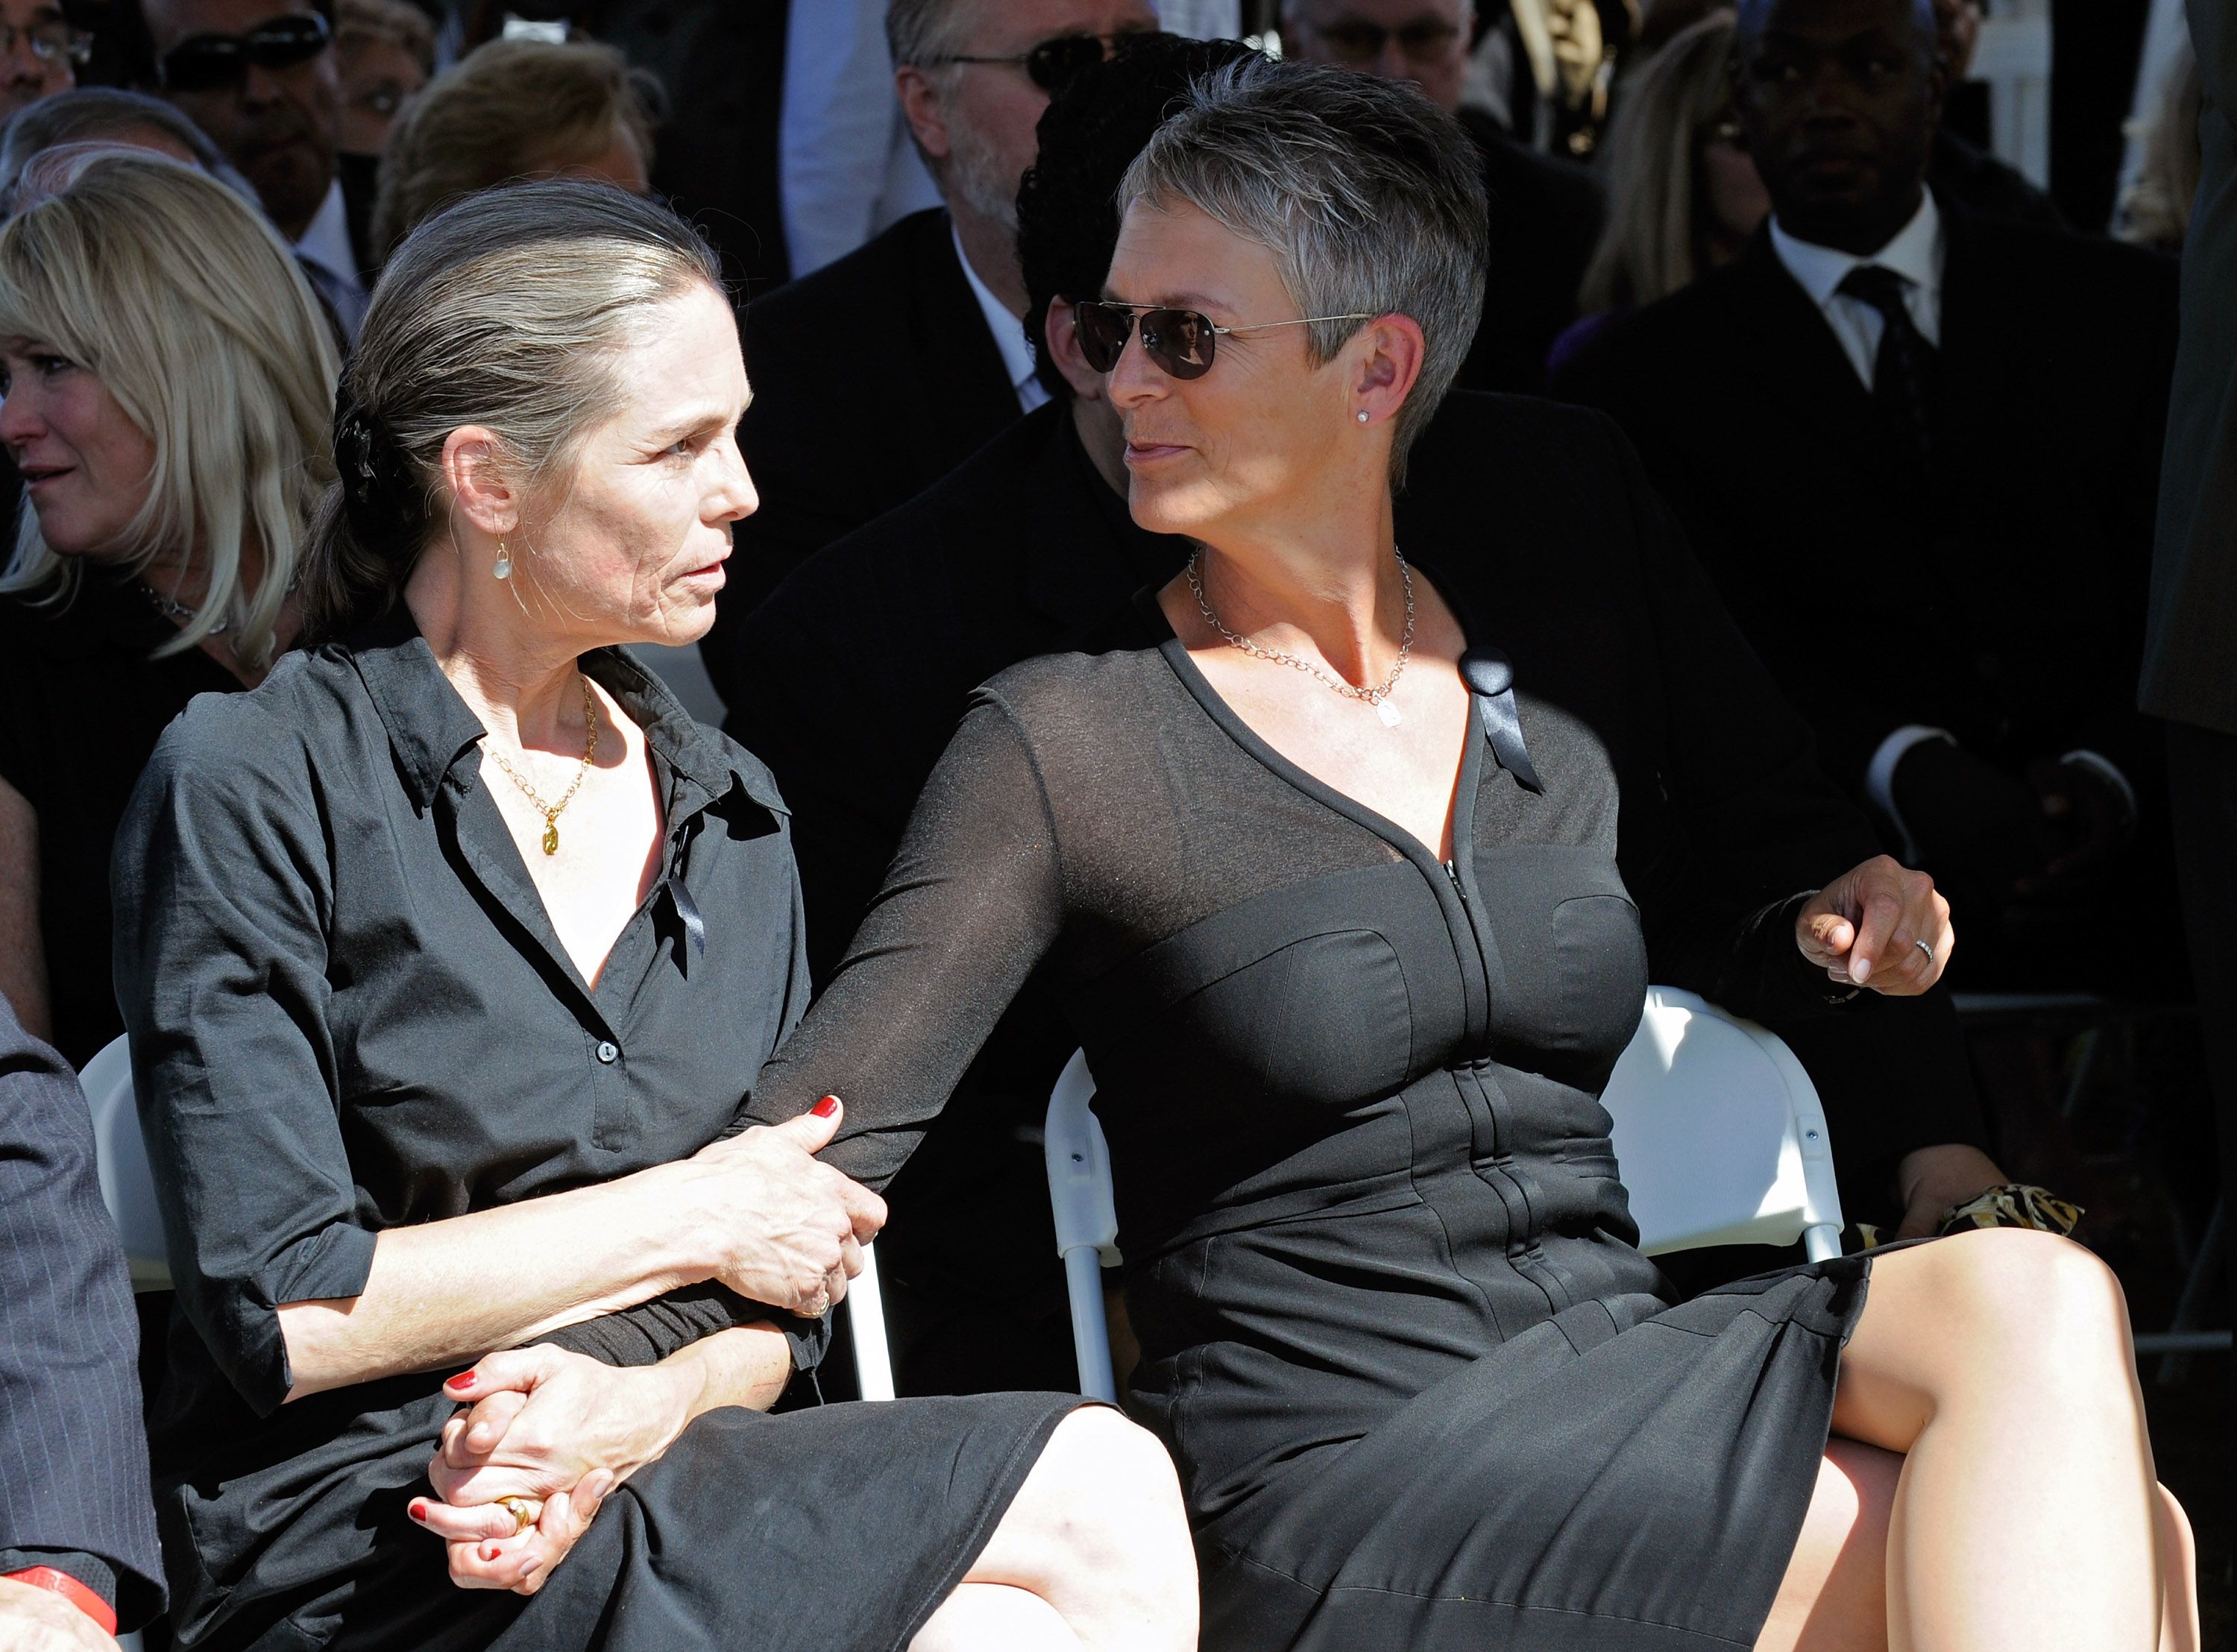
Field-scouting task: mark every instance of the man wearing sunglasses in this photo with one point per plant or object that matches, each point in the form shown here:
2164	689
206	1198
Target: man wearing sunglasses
260	77
883	371
39	53
1546	213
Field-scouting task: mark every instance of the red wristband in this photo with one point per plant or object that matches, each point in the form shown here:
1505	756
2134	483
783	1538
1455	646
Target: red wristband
62	1583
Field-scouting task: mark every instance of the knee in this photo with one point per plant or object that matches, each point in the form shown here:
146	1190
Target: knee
2038	1294
1126	1515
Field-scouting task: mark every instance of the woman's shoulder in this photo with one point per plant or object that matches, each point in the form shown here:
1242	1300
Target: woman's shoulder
1052	689
278	727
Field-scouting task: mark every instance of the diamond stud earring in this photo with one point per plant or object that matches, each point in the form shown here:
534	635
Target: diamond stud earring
1361	416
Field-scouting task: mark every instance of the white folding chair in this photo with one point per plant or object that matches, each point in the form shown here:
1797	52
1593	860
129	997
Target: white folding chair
1718	1132
866	1319
1087	1219
127	1187
1719	1135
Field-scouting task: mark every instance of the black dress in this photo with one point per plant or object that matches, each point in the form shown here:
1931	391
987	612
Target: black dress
81	702
349	1011
1424	1390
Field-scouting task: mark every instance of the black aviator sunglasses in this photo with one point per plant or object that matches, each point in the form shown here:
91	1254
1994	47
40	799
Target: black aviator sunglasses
203	63
1181	342
1053	63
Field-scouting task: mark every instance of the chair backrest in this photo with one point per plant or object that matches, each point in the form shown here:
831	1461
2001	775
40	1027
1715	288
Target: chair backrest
128	1186
1718	1136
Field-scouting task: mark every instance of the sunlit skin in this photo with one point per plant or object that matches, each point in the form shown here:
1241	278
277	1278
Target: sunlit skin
278	126
1305	34
1992	1364
86	465
26	77
977	121
1839	99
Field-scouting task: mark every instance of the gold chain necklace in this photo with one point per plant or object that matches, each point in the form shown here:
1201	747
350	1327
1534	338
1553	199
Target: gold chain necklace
550	811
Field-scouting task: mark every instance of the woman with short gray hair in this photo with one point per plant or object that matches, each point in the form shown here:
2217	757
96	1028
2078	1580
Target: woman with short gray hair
1353	914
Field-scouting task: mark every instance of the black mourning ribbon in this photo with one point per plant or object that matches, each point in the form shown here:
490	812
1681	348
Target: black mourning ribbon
378	492
1490	678
687	912
1906	373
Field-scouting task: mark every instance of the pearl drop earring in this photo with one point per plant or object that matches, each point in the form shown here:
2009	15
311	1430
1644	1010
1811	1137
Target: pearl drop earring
504	569
1361	416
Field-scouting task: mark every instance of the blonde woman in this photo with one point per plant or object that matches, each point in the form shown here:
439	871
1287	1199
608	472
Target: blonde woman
1683	195
514	109
168	384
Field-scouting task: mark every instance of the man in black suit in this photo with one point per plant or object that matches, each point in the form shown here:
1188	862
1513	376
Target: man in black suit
1546	213
78	1559
880	373
1949	428
857	670
2190	650
260	77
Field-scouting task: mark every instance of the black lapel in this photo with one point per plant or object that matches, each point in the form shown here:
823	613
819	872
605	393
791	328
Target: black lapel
1797	354
967	391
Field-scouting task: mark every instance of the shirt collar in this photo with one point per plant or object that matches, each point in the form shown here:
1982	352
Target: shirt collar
1915	252
1009	332
431	728
326	243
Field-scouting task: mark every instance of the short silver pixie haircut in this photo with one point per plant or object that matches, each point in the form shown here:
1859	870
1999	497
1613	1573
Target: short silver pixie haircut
1370	197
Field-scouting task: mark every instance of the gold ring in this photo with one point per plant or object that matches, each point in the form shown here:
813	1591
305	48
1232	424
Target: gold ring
525	1511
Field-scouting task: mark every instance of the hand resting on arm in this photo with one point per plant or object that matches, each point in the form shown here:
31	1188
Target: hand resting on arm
755	1211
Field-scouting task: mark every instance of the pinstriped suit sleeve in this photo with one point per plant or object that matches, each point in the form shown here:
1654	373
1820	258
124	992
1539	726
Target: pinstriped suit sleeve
73	1454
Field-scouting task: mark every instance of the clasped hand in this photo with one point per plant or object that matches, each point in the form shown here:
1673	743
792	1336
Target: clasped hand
558	1429
1879	925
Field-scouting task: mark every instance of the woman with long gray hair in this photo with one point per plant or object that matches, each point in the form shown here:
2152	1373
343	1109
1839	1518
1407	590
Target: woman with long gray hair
1350	866
448	955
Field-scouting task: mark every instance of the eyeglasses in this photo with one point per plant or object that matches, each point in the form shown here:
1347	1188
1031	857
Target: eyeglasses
1180	341
205	63
50	42
1357	41
1053	63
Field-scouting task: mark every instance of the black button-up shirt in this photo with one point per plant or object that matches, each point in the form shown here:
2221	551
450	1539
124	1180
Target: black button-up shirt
350	1011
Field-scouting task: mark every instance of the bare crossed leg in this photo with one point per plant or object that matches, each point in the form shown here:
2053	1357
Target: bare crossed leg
1093	1553
1990	1486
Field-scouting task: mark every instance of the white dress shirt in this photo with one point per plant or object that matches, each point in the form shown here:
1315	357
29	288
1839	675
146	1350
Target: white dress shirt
846	167
326	247
1009	333
1917	253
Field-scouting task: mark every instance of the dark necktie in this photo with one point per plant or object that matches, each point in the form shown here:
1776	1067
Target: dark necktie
1904	373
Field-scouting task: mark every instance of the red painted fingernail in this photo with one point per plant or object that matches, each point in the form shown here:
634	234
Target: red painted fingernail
464	1379
490	1551
825	1107
419	1508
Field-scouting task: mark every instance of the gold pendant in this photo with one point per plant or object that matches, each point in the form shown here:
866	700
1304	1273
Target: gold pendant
551	837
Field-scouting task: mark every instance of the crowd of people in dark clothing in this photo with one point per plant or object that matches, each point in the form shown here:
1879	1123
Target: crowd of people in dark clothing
626	623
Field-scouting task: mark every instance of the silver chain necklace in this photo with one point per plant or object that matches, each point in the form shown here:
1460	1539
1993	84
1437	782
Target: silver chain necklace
1377	697
171	609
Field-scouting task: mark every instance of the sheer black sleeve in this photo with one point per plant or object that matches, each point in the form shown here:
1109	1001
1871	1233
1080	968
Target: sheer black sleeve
973	901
